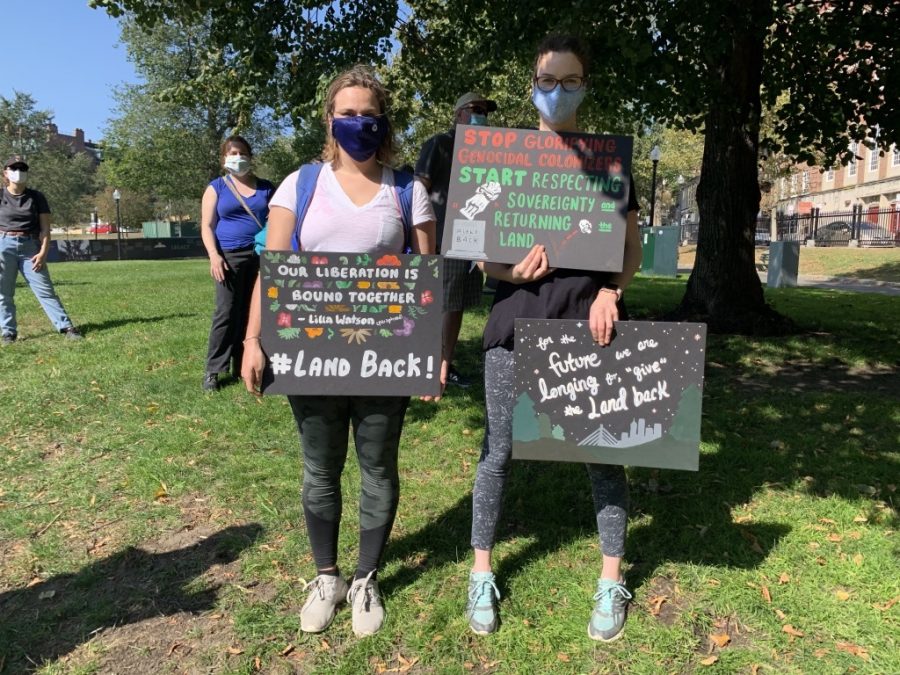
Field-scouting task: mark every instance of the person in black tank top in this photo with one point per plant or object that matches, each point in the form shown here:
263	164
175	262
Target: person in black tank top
530	289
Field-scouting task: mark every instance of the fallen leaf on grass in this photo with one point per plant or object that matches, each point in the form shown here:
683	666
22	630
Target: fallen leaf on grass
656	603
827	521
752	540
720	639
162	492
46	595
257	664
793	632
563	657
34	582
709	660
841	595
754	669
468	665
781	615
851	648
835	538
324	645
764	590
406	664
287	650
784	578
887	605
819	653
175	645
860	519
235	650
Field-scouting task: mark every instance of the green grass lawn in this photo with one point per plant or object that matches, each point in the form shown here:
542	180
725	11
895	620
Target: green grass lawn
146	526
880	264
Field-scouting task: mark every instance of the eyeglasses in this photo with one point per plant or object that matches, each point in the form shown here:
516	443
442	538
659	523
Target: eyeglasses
547	83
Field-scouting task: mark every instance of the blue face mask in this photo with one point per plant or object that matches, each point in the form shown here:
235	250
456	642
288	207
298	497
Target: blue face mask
360	136
559	105
478	119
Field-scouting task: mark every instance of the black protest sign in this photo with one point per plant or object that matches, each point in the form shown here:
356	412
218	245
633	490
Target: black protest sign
636	402
351	323
513	188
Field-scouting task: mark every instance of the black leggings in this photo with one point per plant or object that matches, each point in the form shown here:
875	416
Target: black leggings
324	423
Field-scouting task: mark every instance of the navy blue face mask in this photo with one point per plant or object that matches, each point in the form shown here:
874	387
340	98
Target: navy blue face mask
360	136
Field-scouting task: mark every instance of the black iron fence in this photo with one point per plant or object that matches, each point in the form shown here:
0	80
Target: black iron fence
130	249
866	227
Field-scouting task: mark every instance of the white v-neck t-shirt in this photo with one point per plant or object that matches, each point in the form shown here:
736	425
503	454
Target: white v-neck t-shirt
334	223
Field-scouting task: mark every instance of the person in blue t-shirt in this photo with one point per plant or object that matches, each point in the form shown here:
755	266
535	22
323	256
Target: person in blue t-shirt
234	208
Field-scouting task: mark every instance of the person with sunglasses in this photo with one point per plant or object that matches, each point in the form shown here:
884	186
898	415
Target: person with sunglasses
463	281
531	289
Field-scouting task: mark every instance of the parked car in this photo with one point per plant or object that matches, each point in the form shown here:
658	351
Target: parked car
866	233
102	228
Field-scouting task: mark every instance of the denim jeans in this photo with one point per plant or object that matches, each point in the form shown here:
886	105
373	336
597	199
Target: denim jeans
15	257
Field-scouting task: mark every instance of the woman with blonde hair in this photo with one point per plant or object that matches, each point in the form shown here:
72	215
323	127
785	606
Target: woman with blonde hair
353	208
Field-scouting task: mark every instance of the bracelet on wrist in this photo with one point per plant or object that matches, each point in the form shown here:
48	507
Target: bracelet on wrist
252	337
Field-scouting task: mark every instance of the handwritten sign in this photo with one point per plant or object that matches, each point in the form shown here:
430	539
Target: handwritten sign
351	324
513	188
636	402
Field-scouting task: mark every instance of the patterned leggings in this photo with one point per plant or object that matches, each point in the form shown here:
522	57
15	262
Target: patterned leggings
608	483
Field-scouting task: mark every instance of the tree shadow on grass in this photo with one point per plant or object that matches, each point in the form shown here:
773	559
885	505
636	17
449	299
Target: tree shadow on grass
46	621
690	517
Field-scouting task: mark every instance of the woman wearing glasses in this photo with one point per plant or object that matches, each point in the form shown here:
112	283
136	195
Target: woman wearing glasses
530	289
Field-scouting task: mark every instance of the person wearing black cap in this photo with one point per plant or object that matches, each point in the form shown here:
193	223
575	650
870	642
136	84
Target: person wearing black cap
24	244
462	281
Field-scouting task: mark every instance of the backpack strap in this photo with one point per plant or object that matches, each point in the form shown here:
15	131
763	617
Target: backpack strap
306	188
403	191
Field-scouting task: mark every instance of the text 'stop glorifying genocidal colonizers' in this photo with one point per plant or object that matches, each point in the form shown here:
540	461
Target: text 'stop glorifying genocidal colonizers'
513	188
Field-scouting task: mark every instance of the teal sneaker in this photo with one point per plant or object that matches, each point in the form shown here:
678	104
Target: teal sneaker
608	618
481	609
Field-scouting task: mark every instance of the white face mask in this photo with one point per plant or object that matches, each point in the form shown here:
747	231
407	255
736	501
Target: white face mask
17	176
239	165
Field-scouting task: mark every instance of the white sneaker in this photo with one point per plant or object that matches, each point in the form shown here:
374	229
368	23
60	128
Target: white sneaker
365	603
326	594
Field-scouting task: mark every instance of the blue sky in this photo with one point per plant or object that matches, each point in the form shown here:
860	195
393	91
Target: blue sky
70	61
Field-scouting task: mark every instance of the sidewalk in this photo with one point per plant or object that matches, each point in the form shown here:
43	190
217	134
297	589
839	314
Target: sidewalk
834	283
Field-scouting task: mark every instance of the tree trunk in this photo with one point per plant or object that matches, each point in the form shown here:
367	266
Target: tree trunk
724	290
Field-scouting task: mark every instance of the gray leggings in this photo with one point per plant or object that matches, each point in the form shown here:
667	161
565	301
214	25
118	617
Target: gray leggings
608	483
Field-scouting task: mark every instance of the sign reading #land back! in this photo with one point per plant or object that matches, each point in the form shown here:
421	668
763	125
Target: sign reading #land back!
351	323
513	188
636	402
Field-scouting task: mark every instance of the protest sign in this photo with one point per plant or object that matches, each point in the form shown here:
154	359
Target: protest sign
635	402
351	323
513	188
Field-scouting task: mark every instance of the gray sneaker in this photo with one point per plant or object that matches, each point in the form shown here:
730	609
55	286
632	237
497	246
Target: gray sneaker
365	603
608	618
326	594
481	609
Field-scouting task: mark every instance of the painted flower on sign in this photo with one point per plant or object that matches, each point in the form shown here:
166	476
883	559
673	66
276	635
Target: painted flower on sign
359	335
427	298
313	333
284	320
389	260
272	292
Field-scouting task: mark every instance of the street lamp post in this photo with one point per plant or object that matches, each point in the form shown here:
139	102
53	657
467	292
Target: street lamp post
655	154
117	196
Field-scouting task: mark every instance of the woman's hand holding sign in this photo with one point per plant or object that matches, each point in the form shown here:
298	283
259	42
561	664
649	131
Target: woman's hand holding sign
604	313
535	265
